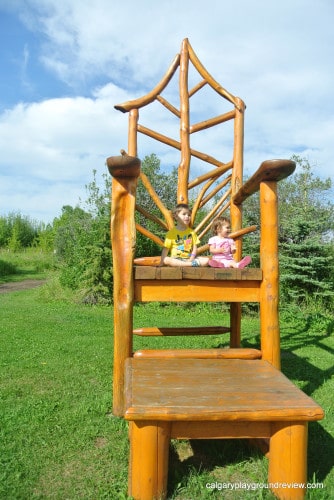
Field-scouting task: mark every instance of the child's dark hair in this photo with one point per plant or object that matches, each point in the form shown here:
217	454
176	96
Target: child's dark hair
218	223
179	207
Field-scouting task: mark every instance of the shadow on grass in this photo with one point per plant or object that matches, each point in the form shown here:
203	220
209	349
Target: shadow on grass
310	378
207	455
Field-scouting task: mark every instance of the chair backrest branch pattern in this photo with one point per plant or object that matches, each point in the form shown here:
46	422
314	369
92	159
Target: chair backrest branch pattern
212	188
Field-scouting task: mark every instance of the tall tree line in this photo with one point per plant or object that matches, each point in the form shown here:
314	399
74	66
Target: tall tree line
80	236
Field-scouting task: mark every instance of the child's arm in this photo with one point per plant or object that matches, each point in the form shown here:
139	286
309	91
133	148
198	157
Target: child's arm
218	247
164	254
214	249
193	253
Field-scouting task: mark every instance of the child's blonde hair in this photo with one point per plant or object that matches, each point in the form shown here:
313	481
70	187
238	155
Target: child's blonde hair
218	223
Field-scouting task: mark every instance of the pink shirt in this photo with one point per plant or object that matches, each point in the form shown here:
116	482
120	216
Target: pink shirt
226	245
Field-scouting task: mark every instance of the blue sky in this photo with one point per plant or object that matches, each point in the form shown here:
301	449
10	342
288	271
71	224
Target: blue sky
65	63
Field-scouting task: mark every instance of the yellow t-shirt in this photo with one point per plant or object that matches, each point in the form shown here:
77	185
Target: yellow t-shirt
181	243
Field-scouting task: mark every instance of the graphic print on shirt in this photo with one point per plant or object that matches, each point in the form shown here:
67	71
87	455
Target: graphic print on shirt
184	245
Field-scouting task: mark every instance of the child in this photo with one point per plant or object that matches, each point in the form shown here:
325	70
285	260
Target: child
222	247
182	241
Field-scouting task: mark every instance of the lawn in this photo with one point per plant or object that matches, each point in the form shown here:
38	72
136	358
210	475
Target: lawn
59	438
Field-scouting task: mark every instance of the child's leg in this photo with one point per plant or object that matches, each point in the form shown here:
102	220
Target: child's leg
244	262
172	262
215	263
203	261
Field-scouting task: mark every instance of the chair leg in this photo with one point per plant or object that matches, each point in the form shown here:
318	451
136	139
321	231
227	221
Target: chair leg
148	468
287	474
235	324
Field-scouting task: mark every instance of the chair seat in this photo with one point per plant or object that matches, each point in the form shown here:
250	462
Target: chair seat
194	284
213	389
196	273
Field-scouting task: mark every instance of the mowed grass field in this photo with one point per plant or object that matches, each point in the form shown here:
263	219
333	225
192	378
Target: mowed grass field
59	439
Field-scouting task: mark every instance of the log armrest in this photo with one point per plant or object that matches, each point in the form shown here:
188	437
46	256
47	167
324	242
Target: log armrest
269	170
123	166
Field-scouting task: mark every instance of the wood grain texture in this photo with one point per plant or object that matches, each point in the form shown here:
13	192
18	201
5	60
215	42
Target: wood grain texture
226	389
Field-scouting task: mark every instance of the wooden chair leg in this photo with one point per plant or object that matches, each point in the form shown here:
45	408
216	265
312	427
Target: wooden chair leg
287	474
148	468
235	323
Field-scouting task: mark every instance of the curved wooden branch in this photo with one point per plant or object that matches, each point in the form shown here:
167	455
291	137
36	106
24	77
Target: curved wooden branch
214	211
151	191
245	230
177	145
152	217
217	214
235	235
150	235
199	200
168	106
269	170
151	96
211	81
212	122
212	174
197	87
212	193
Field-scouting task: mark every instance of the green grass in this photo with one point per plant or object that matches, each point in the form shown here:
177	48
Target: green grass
29	263
59	439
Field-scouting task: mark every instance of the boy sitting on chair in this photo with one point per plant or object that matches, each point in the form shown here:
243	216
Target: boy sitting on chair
182	242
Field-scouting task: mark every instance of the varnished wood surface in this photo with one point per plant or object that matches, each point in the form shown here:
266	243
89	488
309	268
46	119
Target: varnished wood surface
268	171
192	290
209	389
155	331
238	353
193	284
195	273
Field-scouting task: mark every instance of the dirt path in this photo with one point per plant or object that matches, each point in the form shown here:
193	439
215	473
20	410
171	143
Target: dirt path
20	285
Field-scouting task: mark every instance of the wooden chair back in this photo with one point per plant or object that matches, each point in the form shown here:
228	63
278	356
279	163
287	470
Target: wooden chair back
203	179
206	181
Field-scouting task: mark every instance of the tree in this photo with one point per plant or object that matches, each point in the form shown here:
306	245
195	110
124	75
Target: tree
17	231
165	186
82	235
45	238
306	223
81	241
306	230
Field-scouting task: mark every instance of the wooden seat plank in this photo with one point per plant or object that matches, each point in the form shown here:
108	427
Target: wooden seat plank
195	273
191	290
213	389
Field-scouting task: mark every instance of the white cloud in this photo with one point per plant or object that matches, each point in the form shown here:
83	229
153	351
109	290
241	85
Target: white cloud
275	55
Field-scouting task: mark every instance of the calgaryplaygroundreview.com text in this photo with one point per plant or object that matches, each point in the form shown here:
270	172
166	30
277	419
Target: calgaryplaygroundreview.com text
260	486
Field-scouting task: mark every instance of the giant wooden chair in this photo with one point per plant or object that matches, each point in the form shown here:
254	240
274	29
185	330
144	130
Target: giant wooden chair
201	393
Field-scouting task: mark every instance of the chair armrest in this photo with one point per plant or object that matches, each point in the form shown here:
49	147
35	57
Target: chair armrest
123	166
269	170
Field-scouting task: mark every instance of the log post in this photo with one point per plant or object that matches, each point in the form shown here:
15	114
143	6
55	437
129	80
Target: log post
125	171
183	170
149	450
270	334
236	211
287	474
